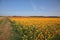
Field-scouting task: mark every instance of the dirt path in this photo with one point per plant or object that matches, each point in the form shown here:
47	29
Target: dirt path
5	28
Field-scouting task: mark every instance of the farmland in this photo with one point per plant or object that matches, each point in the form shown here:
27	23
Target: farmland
31	28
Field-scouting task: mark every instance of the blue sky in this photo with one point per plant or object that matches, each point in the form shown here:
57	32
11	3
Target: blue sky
29	7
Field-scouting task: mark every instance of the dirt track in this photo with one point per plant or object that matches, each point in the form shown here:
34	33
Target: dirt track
5	28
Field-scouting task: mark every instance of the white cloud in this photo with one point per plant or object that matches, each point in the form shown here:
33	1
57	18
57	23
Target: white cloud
33	5
36	8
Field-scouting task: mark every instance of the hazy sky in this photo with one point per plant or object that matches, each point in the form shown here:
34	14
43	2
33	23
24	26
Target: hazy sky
30	7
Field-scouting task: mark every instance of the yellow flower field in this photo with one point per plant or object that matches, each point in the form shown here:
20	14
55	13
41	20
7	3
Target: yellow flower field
43	28
36	21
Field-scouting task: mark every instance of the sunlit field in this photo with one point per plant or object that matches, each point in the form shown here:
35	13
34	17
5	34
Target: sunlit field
36	21
29	28
32	28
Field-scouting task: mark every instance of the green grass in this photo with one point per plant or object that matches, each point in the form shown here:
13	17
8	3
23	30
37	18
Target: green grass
1	21
1	32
